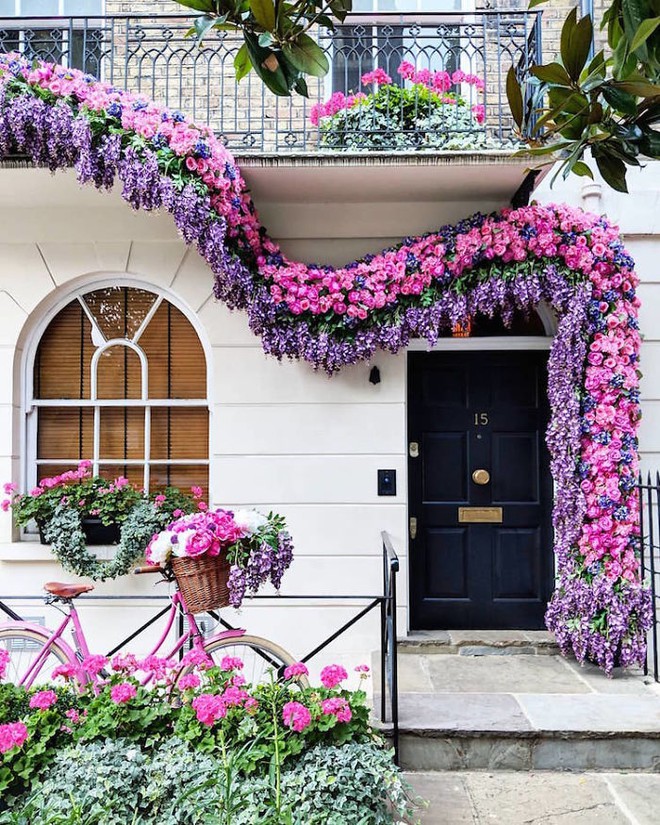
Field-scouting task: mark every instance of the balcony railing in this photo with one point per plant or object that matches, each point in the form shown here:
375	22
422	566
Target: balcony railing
151	55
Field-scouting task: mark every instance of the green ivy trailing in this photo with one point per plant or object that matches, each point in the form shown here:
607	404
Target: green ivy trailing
67	539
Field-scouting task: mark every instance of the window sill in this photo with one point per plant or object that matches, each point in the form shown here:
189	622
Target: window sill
32	551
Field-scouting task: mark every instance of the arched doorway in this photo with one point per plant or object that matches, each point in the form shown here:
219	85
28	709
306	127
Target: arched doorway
480	488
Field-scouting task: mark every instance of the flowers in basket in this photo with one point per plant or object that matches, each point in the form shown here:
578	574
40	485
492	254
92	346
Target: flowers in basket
257	548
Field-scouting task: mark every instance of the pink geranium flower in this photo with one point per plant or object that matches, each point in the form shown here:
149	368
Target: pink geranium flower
123	692
337	707
12	735
296	716
333	675
296	669
43	700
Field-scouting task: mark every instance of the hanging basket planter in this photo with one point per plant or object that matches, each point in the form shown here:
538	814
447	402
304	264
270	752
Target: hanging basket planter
202	581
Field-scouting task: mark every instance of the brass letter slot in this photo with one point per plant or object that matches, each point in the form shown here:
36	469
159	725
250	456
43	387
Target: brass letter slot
480	515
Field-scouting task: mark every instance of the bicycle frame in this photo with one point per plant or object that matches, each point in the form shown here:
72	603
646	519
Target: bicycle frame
82	649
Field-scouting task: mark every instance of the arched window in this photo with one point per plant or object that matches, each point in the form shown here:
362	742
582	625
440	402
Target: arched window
120	379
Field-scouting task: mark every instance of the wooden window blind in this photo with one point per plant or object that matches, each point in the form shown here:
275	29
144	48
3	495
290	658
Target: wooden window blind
140	434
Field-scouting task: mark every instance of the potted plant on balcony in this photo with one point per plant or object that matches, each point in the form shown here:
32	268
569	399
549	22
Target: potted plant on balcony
431	113
218	555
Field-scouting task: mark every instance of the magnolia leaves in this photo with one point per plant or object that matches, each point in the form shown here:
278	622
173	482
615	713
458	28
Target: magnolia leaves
607	105
277	45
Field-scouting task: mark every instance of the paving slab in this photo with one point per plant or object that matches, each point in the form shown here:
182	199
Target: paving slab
628	681
503	674
534	798
446	797
592	712
638	794
543	798
488	712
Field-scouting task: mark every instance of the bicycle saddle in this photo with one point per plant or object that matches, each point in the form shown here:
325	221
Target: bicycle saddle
67	591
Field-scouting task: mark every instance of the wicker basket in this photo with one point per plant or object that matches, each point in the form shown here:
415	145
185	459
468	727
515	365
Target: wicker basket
202	581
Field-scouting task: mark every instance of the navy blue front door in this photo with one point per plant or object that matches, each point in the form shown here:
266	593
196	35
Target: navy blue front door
480	491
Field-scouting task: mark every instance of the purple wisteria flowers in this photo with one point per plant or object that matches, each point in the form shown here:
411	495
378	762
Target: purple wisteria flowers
331	317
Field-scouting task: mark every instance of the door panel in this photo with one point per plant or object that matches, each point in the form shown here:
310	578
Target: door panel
479	411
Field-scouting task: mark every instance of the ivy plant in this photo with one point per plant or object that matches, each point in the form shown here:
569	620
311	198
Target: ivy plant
604	106
276	39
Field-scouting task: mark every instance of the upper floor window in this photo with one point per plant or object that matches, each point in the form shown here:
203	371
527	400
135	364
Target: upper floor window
77	43
119	378
385	43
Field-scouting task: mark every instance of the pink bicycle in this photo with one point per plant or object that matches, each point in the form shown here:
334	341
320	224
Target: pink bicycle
35	651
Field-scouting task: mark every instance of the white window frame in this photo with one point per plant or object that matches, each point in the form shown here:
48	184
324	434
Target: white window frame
61	10
31	405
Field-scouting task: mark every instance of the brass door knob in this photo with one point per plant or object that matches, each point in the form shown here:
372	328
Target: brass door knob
481	476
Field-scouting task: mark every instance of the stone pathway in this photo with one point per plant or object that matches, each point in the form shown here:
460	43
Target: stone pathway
538	798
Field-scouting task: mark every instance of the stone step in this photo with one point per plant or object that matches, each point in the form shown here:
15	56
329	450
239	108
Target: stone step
479	642
460	712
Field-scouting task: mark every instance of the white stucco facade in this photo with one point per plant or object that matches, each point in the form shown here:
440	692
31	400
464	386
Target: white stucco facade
281	436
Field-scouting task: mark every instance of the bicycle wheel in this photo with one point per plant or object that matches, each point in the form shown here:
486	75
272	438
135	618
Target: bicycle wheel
24	646
262	659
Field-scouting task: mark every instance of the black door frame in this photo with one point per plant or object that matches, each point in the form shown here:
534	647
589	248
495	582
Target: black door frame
469	345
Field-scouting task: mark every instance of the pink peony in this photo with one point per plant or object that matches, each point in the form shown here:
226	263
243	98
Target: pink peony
123	692
43	700
332	675
296	716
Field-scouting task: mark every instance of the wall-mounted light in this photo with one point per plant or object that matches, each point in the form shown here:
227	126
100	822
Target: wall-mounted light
374	376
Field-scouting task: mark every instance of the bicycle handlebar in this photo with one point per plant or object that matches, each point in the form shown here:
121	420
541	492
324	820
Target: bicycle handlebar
150	569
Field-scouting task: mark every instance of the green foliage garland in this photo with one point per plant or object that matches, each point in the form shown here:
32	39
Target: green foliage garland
65	534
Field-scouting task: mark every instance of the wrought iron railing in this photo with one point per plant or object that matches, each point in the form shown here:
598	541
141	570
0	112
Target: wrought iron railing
649	500
151	55
387	692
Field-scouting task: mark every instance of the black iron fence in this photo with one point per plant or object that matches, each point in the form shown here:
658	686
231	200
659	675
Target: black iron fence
152	55
386	695
649	500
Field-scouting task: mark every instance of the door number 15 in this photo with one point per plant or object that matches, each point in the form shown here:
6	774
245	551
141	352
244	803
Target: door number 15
480	419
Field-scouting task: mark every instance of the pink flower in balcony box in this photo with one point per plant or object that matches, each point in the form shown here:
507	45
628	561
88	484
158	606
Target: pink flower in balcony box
377	76
406	70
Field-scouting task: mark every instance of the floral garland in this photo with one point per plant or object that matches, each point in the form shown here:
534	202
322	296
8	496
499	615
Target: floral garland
65	534
332	317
